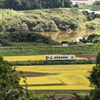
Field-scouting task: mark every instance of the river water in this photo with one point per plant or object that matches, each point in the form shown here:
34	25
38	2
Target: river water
69	36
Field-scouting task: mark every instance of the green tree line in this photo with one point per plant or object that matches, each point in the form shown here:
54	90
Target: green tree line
33	4
90	16
25	37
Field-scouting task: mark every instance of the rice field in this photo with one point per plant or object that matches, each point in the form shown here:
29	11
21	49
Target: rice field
59	77
24	58
62	77
32	58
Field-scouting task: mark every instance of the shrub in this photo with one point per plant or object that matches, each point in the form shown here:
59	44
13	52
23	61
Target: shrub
62	42
76	5
4	42
95	24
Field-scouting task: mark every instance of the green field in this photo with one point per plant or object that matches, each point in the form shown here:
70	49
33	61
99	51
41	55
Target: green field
90	7
23	49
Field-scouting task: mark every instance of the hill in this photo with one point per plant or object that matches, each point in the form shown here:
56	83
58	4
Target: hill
46	20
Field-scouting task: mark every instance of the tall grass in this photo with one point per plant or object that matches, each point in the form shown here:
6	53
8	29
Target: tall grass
45	50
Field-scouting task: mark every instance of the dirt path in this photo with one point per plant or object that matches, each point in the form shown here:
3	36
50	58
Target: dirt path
66	97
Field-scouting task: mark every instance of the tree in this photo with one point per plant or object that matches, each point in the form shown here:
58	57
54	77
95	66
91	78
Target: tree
8	80
94	81
62	3
95	74
36	4
97	3
97	38
8	3
25	5
16	5
67	3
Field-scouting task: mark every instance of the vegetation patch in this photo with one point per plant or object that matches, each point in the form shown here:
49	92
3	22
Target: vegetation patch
46	50
33	74
42	62
52	20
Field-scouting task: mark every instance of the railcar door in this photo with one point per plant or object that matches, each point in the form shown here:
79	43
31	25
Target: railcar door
47	57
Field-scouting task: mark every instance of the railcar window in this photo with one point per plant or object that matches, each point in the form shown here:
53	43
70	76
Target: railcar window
47	57
71	57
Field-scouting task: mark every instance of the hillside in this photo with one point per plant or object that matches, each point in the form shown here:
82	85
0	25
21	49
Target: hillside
45	20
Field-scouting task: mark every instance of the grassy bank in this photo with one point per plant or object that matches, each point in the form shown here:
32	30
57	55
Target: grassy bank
22	50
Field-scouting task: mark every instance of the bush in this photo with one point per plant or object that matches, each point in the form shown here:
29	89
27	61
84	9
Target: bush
72	43
76	5
4	42
62	42
95	24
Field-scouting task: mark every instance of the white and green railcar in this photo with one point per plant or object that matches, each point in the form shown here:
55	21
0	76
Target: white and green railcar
60	57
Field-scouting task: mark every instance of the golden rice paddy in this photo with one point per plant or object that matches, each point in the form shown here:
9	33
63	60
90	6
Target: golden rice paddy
32	58
24	58
62	77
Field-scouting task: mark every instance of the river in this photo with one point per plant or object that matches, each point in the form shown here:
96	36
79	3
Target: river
69	36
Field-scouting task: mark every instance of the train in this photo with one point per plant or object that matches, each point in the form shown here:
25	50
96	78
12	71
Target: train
60	57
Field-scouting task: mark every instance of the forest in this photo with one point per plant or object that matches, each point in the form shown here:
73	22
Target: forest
34	4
